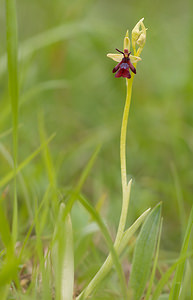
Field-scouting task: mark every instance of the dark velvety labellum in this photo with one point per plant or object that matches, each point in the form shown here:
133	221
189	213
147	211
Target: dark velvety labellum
124	66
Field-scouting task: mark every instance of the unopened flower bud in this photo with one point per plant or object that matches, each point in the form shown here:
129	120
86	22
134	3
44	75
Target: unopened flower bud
126	44
139	36
141	40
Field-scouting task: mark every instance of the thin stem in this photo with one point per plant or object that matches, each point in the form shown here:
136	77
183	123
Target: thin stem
126	187
124	134
12	58
126	195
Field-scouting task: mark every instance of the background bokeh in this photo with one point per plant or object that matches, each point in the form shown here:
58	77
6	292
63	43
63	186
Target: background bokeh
65	75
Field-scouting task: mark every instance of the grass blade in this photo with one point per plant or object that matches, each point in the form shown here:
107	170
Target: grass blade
101	274
179	197
10	175
44	39
165	278
143	254
80	183
12	55
10	263
176	285
63	257
106	267
154	264
32	93
131	231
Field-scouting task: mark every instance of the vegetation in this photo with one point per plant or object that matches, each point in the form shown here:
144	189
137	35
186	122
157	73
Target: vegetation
72	226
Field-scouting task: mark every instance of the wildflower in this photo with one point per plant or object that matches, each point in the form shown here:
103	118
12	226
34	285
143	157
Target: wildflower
124	66
125	59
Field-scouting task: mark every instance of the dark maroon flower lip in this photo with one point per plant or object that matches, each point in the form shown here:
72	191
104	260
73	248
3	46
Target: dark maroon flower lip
122	69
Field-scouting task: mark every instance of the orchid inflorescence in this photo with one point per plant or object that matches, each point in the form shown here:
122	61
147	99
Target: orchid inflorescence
126	61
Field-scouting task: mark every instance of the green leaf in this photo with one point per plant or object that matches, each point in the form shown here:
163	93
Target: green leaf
63	257
176	285
127	235
154	264
114	257
107	266
143	254
165	278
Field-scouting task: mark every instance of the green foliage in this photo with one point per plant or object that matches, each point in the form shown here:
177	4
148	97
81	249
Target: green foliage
53	54
177	281
143	254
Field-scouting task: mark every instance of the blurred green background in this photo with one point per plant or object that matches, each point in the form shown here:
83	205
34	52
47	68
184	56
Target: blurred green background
65	74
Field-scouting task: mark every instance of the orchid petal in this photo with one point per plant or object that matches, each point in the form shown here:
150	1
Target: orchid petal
115	56
126	44
134	59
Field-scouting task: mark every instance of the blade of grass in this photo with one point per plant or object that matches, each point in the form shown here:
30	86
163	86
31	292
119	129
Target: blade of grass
63	257
191	297
143	253
106	267
44	39
175	291
11	174
80	183
44	266
100	275
9	159
180	199
6	133
154	264
165	278
5	233
9	265
4	291
31	93
46	153
12	56
131	231
185	291
44	202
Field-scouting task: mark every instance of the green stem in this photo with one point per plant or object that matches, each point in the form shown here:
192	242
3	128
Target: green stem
12	58
126	195
124	134
125	186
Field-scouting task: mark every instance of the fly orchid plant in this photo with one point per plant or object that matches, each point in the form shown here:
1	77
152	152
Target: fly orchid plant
126	63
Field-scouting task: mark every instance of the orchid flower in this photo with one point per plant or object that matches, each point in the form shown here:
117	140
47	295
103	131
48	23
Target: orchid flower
125	59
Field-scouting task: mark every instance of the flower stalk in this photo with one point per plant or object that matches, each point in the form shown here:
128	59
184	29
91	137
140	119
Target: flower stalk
129	83
126	63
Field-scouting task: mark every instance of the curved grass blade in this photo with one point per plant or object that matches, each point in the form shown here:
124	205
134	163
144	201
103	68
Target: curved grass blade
186	286
9	159
45	39
106	267
165	278
131	231
176	285
33	92
100	275
10	175
154	264
80	183
143	253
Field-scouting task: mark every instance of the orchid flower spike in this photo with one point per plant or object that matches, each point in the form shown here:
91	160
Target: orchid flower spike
124	58
139	37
